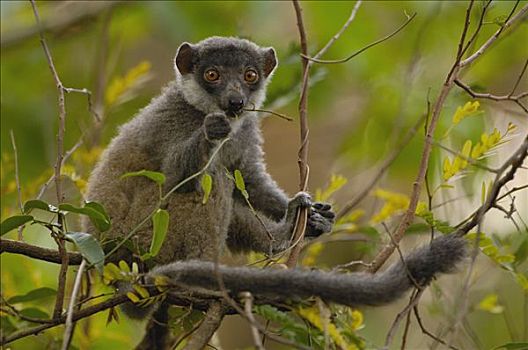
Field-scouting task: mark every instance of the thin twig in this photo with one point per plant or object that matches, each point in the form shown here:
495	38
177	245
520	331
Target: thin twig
514	163
379	41
302	159
280	115
91	310
17	181
62	107
11	310
67	156
516	99
470	160
340	32
69	325
247	298
519	78
415	298
509	22
426	332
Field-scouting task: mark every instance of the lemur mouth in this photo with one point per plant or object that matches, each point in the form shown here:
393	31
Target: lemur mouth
234	113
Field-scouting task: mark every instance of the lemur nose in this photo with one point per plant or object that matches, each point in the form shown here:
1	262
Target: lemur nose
236	103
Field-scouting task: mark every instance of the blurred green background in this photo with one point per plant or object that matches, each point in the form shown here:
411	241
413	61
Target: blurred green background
358	111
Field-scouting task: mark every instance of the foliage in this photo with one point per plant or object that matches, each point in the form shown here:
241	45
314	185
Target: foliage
125	60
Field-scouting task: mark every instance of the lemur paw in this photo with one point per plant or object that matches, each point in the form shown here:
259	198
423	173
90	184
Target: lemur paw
301	200
320	219
216	126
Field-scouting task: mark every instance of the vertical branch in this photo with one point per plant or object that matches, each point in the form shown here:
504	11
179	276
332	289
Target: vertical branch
69	324
58	164
302	216
408	216
62	106
17	181
59	301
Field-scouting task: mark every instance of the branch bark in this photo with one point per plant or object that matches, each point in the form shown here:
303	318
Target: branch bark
35	252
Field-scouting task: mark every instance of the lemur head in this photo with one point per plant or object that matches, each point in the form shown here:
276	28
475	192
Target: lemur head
224	74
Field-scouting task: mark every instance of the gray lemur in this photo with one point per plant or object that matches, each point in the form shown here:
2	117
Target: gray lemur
217	81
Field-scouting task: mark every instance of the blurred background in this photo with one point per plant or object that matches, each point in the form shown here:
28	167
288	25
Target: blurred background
358	112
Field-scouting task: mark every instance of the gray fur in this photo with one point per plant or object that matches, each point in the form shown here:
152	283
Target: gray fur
354	289
176	134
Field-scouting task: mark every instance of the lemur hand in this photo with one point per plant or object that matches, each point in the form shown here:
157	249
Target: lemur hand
320	219
320	215
216	126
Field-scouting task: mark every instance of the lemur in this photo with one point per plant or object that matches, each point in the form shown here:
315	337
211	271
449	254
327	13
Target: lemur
218	81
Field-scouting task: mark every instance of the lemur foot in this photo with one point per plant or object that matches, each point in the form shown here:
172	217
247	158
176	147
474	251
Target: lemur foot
320	215
320	219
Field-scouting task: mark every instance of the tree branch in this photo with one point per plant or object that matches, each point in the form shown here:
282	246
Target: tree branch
516	99
35	252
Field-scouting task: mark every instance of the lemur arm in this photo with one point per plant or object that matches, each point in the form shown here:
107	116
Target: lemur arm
253	231
354	289
264	193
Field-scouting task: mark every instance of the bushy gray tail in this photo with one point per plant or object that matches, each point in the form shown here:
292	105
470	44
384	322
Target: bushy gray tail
354	289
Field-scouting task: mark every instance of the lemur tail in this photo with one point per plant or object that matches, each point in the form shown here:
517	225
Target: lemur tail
354	289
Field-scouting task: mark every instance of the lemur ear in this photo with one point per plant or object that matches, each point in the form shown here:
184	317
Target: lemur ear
184	58
270	61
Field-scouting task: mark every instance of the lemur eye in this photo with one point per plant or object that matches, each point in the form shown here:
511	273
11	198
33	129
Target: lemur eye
211	75
251	76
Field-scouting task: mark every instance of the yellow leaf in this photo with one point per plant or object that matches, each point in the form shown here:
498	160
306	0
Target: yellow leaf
311	314
522	280
490	304
121	85
466	151
357	318
394	203
468	109
133	298
336	182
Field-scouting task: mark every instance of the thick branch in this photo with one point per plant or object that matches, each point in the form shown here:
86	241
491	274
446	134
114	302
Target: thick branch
35	252
513	163
209	325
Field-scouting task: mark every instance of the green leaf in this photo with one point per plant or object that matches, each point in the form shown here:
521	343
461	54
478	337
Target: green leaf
161	225
155	176
89	248
34	313
512	346
35	294
38	204
97	218
6	326
522	252
207	186
240	184
98	207
14	222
